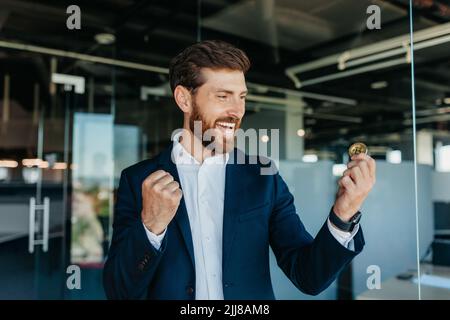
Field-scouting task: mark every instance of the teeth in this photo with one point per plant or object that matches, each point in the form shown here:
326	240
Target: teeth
226	125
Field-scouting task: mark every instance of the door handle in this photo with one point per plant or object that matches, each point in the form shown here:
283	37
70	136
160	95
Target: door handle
46	224
31	224
45	208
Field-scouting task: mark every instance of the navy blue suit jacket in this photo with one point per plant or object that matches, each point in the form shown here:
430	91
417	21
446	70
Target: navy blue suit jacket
258	212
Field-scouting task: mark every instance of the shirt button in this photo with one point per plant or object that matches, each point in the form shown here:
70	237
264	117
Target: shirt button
208	238
190	290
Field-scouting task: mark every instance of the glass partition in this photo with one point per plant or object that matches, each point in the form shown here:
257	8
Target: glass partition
328	74
431	25
21	168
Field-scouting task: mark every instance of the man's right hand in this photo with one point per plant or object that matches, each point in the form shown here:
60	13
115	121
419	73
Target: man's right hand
161	197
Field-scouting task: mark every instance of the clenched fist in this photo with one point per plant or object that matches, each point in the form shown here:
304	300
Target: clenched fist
354	186
161	197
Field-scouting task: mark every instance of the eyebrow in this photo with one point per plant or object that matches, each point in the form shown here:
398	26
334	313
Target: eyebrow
229	91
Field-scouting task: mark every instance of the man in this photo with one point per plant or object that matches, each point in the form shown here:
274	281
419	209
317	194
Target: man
192	224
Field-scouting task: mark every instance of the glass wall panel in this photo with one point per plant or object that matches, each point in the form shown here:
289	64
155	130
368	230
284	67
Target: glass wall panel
431	25
329	74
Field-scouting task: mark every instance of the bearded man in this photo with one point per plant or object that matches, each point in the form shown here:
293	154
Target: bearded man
194	223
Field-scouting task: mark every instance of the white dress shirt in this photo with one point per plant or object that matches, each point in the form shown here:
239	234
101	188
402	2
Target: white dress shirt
203	188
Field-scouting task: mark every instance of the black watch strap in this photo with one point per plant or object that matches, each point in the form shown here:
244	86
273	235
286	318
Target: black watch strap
342	225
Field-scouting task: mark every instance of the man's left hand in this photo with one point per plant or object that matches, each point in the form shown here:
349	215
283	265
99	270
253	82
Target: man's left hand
354	186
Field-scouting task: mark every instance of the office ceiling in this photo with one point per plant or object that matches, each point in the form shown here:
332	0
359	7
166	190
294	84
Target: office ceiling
275	34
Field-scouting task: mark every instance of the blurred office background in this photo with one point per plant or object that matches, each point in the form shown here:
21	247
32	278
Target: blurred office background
78	106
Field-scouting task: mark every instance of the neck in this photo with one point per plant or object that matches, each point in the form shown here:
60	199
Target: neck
194	146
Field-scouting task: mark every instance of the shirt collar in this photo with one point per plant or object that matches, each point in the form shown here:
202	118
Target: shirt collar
182	157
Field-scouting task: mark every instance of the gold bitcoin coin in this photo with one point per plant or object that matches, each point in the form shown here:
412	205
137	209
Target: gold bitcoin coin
357	148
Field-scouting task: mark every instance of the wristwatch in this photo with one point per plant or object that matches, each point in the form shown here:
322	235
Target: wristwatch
342	225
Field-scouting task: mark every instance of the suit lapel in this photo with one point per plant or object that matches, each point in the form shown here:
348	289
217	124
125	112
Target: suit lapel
233	195
181	217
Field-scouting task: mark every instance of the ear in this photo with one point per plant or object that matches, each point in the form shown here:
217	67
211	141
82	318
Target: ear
183	99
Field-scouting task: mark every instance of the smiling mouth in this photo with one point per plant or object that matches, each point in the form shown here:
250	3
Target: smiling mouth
226	127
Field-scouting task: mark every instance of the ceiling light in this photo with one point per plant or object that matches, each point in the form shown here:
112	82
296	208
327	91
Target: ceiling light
301	132
35	163
60	166
8	163
105	38
379	85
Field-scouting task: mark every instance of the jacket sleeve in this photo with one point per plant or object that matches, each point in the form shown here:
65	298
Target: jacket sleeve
311	264
132	260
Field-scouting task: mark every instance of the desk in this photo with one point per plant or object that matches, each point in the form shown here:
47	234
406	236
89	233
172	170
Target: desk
397	289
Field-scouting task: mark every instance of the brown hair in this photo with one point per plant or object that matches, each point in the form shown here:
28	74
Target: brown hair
215	54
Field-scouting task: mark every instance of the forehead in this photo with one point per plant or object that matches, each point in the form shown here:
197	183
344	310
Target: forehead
223	79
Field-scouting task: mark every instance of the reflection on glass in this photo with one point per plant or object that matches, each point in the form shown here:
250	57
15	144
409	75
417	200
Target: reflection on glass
126	147
93	155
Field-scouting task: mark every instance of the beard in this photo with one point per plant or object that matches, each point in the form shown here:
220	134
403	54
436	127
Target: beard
208	135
